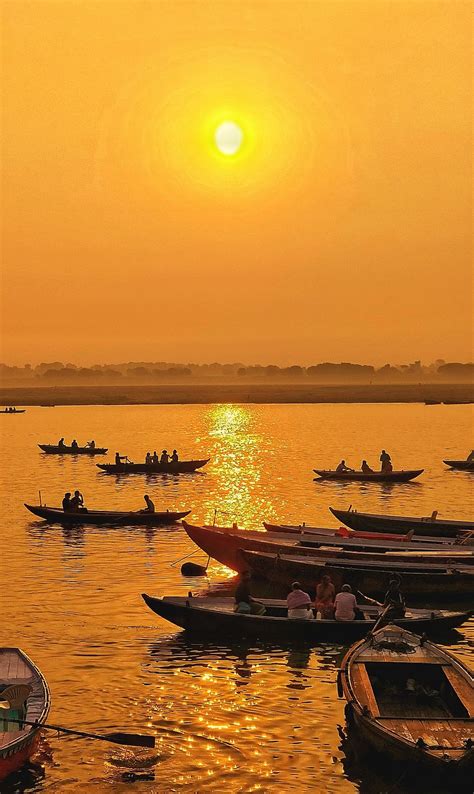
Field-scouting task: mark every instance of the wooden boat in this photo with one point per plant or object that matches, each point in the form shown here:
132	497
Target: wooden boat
216	616
416	579
24	694
56	515
411	700
346	532
15	411
54	449
376	476
226	545
181	467
422	526
432	402
462	465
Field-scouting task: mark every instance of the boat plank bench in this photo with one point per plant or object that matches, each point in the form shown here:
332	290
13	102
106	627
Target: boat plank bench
462	689
361	679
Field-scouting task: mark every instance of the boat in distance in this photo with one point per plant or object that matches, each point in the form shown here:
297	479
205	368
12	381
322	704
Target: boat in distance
55	449
362	476
216	616
56	515
431	525
411	701
416	579
24	695
181	467
461	465
14	411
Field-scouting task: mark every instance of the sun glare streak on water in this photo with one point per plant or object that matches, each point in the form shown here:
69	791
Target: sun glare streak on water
227	716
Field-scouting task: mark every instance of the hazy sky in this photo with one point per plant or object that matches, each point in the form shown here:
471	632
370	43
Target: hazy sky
341	230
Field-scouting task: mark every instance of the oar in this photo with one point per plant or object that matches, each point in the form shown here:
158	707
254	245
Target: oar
379	620
133	739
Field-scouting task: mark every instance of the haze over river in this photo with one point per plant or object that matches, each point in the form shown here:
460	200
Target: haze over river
234	718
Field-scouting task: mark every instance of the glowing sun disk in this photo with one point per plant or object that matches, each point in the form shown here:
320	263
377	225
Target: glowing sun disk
228	137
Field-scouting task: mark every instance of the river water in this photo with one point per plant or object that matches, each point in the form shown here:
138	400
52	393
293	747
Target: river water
233	717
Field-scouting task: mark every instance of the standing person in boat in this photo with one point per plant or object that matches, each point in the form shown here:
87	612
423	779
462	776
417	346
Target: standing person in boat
150	507
342	467
77	502
299	603
119	459
386	462
244	603
325	595
155	459
366	468
345	604
148	460
394	601
67	502
61	442
165	458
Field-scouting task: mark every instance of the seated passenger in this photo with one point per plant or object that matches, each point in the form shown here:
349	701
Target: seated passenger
148	460
324	601
345	604
67	502
74	444
150	507
61	442
77	501
164	460
244	603
174	457
342	467
299	603
366	468
154	458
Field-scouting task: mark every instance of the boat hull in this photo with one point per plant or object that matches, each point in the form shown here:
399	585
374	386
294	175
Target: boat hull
53	449
182	467
461	465
421	526
376	476
191	615
98	517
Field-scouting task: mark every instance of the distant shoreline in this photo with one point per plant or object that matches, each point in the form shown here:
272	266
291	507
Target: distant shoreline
176	394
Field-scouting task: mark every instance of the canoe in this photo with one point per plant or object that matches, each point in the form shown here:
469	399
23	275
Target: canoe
416	579
462	465
422	526
56	515
182	467
16	411
216	616
376	476
54	449
412	701
31	701
226	545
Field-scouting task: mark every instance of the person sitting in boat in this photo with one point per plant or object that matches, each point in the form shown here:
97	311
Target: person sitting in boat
394	601
154	458
74	444
77	502
174	457
325	595
148	460
244	603
150	507
299	603
366	468
61	442
67	502
165	458
345	604
91	444
342	467
119	459
386	462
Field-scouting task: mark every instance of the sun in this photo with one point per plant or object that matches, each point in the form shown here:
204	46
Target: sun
228	137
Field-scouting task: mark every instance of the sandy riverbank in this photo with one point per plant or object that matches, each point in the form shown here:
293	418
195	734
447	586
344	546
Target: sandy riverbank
233	393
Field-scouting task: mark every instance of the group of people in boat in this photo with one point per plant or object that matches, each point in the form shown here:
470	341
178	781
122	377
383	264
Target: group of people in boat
74	444
385	465
75	503
327	605
163	459
10	409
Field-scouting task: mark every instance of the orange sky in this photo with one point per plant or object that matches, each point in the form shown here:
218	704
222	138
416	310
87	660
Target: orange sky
341	230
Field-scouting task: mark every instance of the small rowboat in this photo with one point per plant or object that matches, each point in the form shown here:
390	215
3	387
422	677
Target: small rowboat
15	411
376	476
55	515
422	526
461	465
216	616
181	467
54	449
24	694
411	700
417	579
347	533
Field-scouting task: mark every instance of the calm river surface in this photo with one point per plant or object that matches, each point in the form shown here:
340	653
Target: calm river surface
234	718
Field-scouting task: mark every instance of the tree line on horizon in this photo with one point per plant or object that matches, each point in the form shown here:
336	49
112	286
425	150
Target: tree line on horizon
55	373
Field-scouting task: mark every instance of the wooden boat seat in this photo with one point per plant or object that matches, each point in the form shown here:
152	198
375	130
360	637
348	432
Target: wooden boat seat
363	688
461	687
14	697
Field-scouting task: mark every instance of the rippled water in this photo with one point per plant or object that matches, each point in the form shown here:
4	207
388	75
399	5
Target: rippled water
239	718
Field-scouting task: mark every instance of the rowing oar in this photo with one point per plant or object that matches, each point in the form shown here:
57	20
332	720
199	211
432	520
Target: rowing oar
379	620
133	739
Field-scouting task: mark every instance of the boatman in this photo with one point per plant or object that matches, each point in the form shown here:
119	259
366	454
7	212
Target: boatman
342	467
244	603
150	507
119	459
386	462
